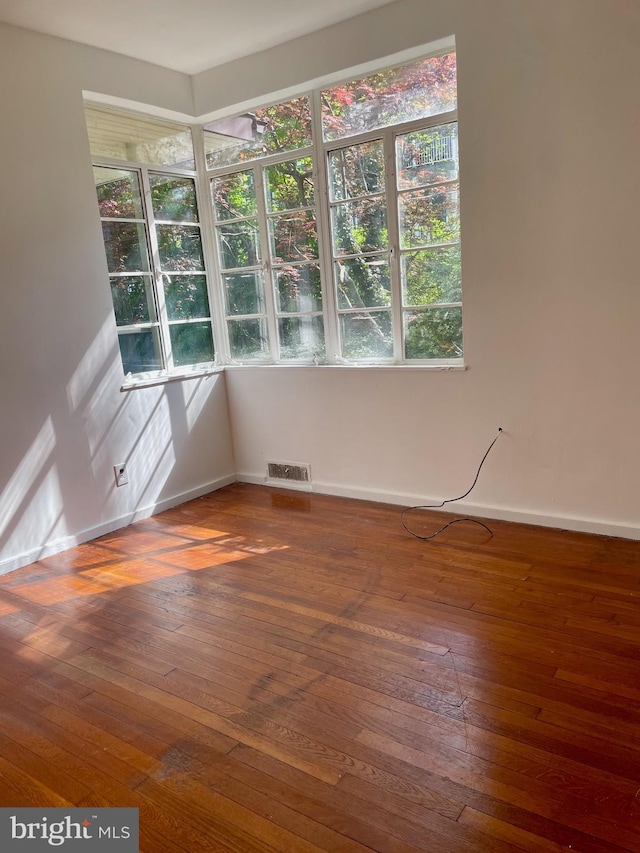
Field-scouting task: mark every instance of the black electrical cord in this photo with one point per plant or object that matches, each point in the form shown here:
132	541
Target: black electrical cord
449	501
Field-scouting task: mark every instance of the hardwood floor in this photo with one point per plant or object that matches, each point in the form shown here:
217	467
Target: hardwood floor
262	670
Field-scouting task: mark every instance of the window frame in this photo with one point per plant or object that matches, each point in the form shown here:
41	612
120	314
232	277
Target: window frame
158	276
330	313
266	266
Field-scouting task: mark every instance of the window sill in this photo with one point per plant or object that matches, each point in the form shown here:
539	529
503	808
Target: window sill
351	366
149	381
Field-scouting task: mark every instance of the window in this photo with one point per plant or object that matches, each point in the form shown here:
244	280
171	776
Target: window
394	213
332	228
267	235
153	242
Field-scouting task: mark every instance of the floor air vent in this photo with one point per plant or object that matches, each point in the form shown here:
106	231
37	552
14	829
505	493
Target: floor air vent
288	472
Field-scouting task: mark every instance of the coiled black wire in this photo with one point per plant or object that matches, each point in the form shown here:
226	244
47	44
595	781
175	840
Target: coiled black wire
449	501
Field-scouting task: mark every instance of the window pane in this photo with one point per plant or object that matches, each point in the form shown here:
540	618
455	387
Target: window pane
244	292
301	337
367	334
239	244
234	195
293	236
270	130
191	343
248	339
173	198
186	296
298	289
179	247
357	170
359	226
137	138
140	351
430	217
125	245
433	333
132	300
431	276
118	193
414	91
289	185
427	156
363	282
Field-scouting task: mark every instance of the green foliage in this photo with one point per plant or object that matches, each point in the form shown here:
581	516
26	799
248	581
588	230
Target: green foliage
191	343
234	195
247	338
173	199
431	276
433	333
367	334
244	292
399	94
130	300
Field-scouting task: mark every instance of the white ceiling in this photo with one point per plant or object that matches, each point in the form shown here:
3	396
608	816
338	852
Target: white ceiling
186	35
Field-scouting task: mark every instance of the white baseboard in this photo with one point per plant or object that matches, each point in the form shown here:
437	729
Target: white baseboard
522	516
57	545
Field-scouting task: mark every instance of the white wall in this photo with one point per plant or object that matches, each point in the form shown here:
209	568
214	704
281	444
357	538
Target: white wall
63	420
549	142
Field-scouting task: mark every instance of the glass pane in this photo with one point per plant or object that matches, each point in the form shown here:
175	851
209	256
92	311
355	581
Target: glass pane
427	156
430	217
137	138
248	339
298	289
270	130
244	292
434	333
367	334
191	343
126	246
431	276
234	195
132	300
118	193
173	198
301	337
293	237
289	185
359	226
239	244
357	170
140	351
414	91
179	247
363	282
186	296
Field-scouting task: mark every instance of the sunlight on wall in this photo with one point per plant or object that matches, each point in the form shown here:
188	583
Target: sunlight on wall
90	393
195	397
33	483
45	519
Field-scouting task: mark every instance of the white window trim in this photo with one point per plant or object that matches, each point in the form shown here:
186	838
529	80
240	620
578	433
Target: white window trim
318	151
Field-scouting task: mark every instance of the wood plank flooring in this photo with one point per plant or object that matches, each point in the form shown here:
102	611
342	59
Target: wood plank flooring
263	670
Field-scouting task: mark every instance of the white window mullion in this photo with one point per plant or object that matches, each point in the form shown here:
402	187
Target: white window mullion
158	275
323	219
208	236
394	244
267	272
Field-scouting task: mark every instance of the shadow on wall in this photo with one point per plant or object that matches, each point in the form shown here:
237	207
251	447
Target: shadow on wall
63	490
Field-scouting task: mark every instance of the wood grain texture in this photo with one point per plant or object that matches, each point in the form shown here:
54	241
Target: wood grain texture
260	670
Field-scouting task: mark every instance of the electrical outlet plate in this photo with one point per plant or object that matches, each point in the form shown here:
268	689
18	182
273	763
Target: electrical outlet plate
120	471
